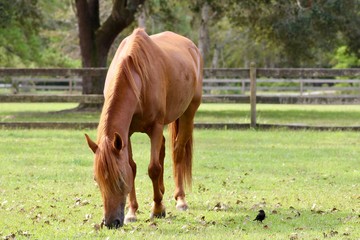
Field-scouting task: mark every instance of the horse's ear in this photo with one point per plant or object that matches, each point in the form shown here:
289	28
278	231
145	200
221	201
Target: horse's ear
117	144
93	146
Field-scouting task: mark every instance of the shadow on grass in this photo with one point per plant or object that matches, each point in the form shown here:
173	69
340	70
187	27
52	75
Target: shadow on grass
57	116
282	116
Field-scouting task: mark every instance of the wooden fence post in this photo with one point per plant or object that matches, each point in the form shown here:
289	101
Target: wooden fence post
70	85
253	95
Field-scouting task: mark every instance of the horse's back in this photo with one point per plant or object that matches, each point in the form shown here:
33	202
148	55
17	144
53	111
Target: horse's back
184	72
176	47
171	41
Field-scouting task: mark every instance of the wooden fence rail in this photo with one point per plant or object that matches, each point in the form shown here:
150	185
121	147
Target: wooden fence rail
213	88
276	85
282	85
219	84
208	72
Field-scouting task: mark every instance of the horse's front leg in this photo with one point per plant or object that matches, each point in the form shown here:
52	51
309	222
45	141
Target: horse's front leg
156	170
132	201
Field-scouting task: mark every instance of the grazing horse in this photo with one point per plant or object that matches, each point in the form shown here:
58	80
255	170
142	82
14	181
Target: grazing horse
152	81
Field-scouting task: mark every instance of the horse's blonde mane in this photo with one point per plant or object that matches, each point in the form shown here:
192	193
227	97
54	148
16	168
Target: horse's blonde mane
109	176
140	55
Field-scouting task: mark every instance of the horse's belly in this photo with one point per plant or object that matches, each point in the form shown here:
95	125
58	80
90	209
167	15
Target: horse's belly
178	100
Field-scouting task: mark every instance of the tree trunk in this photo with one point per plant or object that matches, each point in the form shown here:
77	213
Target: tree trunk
204	39
215	59
96	39
142	17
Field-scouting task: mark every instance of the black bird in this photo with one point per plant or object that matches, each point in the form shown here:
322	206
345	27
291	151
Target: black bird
261	216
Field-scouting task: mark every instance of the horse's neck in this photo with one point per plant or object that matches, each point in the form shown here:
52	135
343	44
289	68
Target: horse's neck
116	118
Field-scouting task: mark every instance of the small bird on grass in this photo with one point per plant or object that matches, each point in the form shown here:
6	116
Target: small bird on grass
261	216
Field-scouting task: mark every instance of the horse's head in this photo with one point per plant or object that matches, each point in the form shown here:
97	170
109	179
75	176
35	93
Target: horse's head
113	174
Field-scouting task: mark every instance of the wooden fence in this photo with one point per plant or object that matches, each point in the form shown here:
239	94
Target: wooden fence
220	85
249	85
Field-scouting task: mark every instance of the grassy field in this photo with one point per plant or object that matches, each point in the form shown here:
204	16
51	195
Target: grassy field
307	182
312	115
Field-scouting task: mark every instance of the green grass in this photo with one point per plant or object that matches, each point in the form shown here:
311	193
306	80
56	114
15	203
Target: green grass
313	115
307	182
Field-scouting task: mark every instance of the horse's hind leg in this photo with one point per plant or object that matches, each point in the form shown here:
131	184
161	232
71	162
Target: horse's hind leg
182	155
133	204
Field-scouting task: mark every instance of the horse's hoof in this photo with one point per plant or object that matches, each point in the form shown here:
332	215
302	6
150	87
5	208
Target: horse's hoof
182	207
130	216
158	215
130	219
157	211
181	204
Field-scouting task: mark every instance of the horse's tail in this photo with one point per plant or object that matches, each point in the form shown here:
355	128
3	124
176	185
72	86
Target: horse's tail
184	158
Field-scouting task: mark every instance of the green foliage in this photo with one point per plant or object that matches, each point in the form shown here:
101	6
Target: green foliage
24	41
272	33
300	32
19	41
53	58
344	59
169	15
39	33
59	35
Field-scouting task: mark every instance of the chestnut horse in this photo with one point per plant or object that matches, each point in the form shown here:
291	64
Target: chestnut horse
152	81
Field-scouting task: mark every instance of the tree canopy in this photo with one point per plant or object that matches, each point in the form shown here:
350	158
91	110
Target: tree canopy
19	26
309	33
301	32
32	34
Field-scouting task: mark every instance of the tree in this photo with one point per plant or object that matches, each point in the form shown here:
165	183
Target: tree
186	18
19	28
301	27
96	38
169	15
208	12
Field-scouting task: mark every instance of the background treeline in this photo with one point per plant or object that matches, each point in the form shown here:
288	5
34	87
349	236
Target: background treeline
232	33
